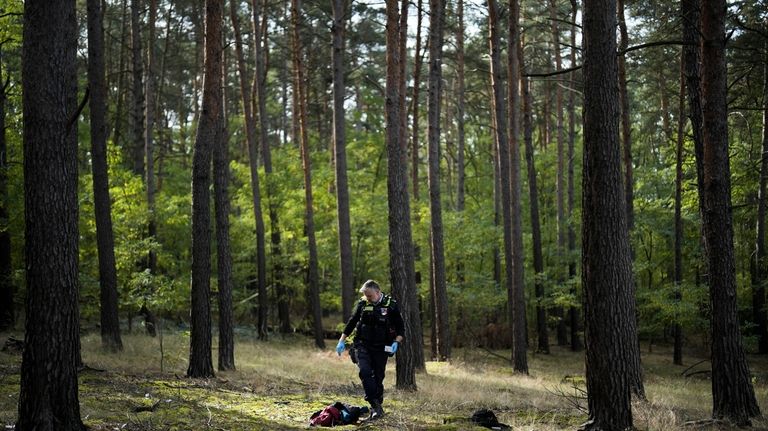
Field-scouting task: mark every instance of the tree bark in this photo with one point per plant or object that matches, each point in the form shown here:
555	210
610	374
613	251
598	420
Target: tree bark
110	324
300	116
607	278
417	59
626	128
48	398
542	344
7	288
223	252
437	246
677	351
559	312
137	93
733	396
149	129
253	158
758	263
200	363
517	294
338	30
401	266
120	97
260	90
573	311
460	108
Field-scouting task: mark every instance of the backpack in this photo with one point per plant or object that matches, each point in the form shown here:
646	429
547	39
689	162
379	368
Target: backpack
327	417
337	413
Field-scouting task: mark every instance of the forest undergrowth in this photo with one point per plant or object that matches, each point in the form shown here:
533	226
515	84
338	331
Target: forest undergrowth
280	382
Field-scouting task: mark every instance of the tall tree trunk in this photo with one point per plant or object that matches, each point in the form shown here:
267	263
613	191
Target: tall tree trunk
758	262
223	252
260	90
517	294
573	311
542	333
502	147
677	354
7	288
401	266
460	108
437	247
636	375
200	363
120	96
313	277
149	128
732	394
48	398
110	324
253	158
607	278
562	329
338	30
415	104
626	128
137	93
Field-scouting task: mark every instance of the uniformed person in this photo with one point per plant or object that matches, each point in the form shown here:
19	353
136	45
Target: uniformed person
379	331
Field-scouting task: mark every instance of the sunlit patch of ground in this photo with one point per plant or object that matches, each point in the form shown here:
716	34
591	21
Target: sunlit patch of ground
279	383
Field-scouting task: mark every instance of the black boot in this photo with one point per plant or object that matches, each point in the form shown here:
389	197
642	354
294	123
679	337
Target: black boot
376	411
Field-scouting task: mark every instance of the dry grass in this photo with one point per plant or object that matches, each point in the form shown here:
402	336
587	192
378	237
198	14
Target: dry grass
279	383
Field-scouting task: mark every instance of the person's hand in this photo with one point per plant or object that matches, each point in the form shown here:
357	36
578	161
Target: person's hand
340	347
394	347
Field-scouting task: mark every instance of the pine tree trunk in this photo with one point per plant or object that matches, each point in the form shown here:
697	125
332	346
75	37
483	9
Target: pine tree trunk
636	378
7	288
607	278
677	353
110	324
48	398
120	96
313	277
758	263
732	394
200	363
517	294
149	128
401	266
542	344
223	253
573	311
625	124
559	312
417	57
253	152
137	92
338	30
460	108
437	246
502	151
260	90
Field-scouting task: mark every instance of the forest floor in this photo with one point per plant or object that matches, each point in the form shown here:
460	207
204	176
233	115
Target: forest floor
280	383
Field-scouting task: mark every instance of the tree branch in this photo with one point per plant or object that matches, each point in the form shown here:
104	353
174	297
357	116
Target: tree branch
622	52
79	110
3	15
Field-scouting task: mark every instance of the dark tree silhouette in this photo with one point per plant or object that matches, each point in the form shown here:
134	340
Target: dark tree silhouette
48	399
732	394
200	363
110	324
611	334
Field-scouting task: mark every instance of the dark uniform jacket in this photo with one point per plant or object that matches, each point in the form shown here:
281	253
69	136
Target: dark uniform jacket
376	324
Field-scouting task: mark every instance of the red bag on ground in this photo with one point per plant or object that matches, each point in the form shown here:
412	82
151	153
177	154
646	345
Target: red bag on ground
327	417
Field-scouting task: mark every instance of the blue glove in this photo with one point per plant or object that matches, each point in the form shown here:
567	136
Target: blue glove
340	347
394	347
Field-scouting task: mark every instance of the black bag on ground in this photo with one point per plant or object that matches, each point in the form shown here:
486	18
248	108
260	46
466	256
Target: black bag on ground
486	418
